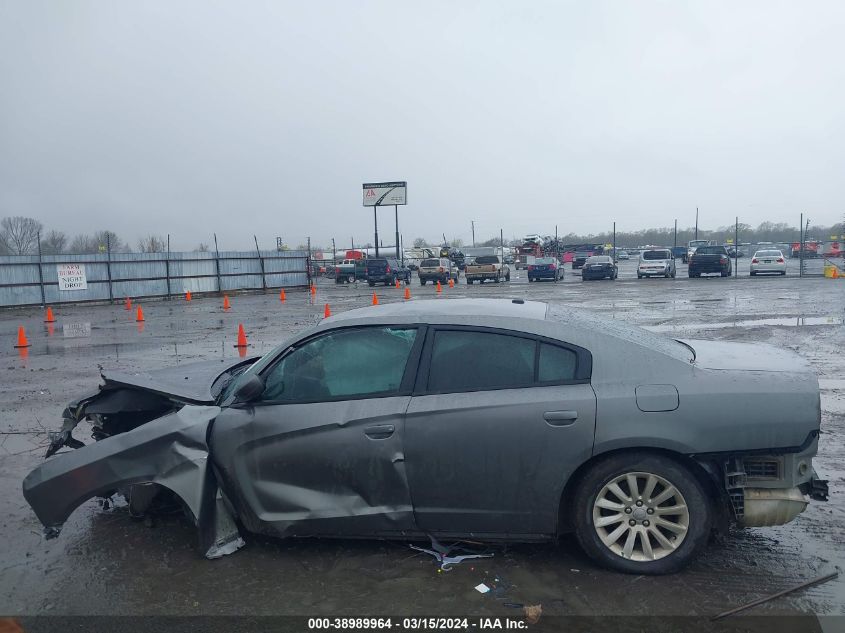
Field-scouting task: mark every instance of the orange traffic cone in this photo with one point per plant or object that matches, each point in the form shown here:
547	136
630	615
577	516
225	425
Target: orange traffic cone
282	295
397	284
188	296
439	287
22	342
451	283
407	292
375	299
241	336
313	289
327	312
226	304
49	318
128	304
139	315
835	274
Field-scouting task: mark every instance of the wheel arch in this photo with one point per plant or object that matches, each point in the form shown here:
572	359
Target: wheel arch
704	472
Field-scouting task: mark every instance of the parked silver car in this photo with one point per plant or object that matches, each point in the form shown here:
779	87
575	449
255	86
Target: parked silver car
492	418
656	262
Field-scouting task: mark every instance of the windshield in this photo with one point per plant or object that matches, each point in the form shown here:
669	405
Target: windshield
430	263
545	261
768	254
657	255
599	259
487	259
710	250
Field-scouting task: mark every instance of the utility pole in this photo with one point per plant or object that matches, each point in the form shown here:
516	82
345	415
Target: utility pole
676	233
736	246
375	224
557	247
334	253
396	213
614	242
473	231
801	246
501	244
696	223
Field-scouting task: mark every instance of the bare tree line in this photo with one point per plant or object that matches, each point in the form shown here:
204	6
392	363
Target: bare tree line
20	235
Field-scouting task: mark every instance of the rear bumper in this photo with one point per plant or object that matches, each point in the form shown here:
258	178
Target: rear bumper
482	276
653	272
768	268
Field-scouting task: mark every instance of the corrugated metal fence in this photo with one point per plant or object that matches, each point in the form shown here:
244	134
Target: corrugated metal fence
23	281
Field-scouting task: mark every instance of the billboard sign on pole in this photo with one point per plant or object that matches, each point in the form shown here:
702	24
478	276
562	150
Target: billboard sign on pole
385	194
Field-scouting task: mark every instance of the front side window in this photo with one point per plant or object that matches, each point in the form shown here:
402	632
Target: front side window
342	364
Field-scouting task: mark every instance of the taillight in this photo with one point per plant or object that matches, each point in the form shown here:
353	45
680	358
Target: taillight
754	260
723	259
780	260
553	266
531	268
442	269
388	270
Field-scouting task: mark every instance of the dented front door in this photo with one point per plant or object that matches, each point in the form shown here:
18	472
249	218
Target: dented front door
321	451
320	468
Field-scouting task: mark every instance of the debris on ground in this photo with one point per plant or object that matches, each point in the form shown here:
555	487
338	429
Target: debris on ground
443	553
533	613
482	588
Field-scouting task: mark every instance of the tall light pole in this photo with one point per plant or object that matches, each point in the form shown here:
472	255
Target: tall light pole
696	223
473	231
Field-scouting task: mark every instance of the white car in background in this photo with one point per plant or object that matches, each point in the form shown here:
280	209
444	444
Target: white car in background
768	261
656	262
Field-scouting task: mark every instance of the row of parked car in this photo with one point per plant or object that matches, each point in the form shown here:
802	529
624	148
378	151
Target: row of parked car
660	262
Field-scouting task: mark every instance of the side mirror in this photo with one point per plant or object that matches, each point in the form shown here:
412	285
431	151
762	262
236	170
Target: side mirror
250	390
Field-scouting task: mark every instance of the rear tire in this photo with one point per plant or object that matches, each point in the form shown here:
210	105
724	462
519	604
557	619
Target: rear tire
469	282
422	282
661	541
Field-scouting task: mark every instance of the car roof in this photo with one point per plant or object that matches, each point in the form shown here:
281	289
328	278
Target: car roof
457	308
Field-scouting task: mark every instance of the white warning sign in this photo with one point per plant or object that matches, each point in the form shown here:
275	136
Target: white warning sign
72	276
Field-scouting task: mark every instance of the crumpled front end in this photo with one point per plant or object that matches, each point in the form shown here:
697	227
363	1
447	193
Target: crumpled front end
171	452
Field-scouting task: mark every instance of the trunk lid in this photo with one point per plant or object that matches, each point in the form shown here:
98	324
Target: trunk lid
746	357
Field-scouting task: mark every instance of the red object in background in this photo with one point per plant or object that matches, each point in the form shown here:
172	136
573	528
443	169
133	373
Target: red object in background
354	255
568	257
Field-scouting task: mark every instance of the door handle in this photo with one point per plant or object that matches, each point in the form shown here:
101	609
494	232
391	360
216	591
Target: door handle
560	418
379	431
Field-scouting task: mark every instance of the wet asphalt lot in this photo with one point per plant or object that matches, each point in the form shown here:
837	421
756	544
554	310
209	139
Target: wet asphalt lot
106	563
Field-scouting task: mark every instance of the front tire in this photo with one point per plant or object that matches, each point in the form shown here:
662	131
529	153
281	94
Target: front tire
664	501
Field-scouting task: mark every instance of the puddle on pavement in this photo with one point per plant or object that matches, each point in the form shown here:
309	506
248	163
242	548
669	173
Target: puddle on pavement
781	321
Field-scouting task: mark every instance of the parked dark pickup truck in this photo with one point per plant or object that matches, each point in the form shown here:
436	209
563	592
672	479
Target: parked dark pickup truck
710	259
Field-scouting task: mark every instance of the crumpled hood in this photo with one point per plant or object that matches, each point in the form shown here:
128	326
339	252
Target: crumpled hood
190	382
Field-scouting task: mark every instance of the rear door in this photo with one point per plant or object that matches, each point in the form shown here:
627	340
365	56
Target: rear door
321	451
497	424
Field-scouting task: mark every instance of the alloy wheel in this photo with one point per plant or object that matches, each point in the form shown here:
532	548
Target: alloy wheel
640	516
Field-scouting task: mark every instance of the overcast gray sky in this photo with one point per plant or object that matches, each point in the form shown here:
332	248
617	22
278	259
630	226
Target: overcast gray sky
187	117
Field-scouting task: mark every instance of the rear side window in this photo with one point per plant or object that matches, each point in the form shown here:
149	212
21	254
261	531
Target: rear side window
469	361
556	363
464	360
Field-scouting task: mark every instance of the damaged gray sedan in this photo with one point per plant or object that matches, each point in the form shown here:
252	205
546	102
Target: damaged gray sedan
489	419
